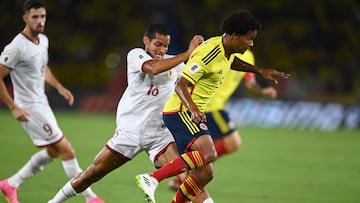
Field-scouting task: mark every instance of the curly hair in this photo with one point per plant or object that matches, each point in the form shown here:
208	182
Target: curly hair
240	22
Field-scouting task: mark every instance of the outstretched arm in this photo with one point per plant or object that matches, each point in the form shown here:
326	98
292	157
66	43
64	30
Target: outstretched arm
182	91
51	79
266	73
158	66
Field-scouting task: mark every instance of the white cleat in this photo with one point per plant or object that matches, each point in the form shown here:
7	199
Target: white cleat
148	185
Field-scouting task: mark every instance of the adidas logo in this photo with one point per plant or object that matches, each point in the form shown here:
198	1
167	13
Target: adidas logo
147	181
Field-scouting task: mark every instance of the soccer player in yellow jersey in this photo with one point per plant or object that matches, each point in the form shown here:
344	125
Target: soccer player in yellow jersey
226	138
184	112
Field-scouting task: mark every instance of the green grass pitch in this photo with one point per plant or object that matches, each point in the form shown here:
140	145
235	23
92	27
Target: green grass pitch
272	166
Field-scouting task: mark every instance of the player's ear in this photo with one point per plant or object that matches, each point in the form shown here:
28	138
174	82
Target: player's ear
25	17
146	40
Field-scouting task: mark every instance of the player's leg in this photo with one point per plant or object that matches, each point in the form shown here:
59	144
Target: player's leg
48	133
118	150
203	154
172	153
104	163
192	188
66	153
223	131
193	142
203	197
34	165
41	133
187	161
228	144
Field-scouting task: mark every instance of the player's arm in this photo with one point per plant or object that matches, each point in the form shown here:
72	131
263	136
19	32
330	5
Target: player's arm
252	85
158	66
53	81
267	73
182	91
17	112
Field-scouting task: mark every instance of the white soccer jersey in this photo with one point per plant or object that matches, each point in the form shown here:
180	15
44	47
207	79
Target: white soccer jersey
140	108
27	62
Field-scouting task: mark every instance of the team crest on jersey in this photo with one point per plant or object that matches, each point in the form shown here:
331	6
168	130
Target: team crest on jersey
141	56
203	126
6	59
194	68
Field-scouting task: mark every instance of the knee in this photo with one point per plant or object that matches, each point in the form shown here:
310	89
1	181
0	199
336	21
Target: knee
234	142
209	175
210	155
205	175
66	151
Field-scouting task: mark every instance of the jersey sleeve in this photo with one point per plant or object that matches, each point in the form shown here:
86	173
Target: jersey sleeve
194	68
10	55
136	58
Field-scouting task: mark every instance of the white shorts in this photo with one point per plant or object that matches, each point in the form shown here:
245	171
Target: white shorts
42	126
130	144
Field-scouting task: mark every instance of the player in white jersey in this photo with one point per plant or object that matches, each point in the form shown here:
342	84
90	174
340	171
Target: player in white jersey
151	79
25	59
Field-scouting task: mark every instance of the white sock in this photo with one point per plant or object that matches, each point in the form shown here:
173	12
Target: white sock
34	165
64	193
72	168
208	200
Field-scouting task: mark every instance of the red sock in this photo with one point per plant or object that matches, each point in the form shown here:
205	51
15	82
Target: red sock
220	147
185	162
188	190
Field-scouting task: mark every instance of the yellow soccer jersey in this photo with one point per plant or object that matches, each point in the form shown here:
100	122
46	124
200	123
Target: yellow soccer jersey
230	84
205	69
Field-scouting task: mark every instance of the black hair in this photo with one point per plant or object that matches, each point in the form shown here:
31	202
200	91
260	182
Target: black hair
29	4
156	28
240	22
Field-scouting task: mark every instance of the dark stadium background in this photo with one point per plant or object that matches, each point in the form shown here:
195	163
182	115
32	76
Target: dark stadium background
318	42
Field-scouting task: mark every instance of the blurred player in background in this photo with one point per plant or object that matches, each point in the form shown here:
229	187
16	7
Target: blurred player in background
151	79
25	59
184	112
223	131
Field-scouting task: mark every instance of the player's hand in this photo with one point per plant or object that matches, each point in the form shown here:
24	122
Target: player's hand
195	42
19	114
67	95
269	92
197	116
270	73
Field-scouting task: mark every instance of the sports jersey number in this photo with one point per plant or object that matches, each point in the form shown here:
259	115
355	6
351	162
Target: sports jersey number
153	90
47	129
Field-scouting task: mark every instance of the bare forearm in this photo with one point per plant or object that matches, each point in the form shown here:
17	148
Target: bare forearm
51	79
155	67
241	65
184	96
5	97
266	73
182	91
